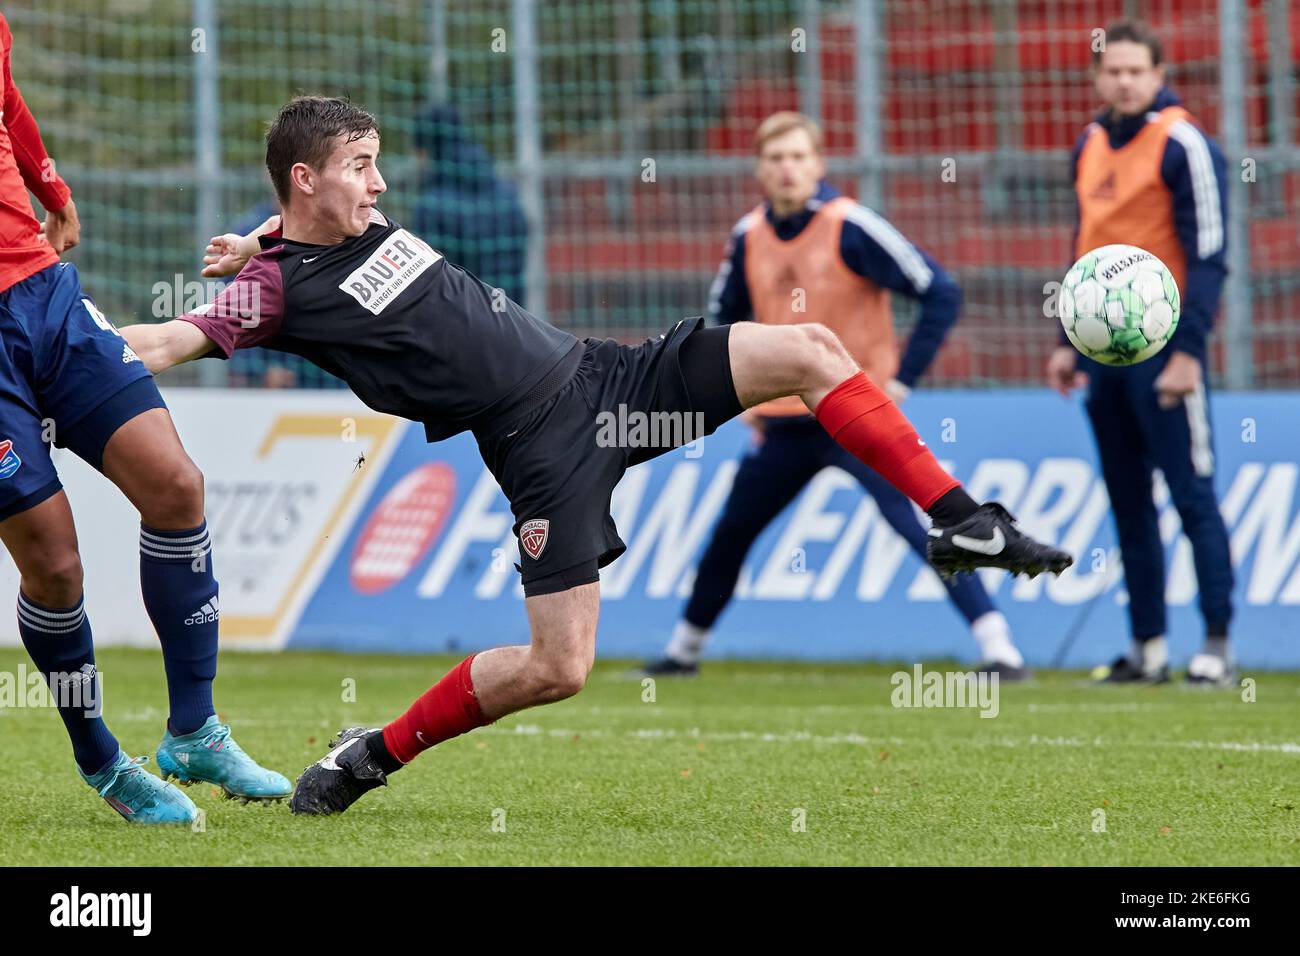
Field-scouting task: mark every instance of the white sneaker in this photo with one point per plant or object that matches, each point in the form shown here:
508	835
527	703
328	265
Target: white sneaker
1211	671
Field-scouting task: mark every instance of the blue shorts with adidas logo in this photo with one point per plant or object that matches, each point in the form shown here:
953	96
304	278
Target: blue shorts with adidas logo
67	378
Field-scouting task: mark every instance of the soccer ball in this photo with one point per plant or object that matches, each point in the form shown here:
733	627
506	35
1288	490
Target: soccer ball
1119	305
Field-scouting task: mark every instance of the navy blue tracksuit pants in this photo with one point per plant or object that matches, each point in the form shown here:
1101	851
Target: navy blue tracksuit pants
1135	436
769	477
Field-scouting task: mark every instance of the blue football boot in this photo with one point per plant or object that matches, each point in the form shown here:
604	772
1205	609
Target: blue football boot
210	755
140	796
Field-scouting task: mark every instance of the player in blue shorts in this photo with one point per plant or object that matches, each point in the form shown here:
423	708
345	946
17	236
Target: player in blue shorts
68	378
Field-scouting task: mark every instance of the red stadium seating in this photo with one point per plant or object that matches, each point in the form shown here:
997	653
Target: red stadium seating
941	96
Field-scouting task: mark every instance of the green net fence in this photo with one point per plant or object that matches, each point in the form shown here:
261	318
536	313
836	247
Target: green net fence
591	157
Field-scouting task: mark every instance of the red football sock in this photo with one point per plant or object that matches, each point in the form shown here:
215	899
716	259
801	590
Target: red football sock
447	709
861	417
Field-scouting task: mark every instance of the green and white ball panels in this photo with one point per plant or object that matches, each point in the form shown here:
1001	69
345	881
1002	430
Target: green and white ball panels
1119	305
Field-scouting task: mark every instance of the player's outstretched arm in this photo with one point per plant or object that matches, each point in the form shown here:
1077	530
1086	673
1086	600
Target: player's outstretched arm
167	344
227	254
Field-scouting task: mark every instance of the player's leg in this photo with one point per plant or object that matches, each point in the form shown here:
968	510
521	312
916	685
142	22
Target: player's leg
480	689
37	530
144	457
1182	448
988	625
809	361
558	476
771	473
1126	468
553	667
55	630
109	412
52	621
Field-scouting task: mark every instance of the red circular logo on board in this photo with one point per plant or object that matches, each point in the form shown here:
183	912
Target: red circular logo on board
403	527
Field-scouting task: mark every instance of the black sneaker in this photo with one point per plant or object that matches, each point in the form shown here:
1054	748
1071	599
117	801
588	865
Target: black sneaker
337	780
1123	671
1007	674
989	539
671	667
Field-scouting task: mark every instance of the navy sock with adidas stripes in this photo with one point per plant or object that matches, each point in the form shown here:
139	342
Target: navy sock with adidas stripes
180	594
59	643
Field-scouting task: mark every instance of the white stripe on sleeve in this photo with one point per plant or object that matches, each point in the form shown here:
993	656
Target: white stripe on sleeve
895	244
1205	188
724	270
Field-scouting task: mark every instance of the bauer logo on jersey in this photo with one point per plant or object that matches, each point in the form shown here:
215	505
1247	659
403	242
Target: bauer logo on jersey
391	269
533	536
9	460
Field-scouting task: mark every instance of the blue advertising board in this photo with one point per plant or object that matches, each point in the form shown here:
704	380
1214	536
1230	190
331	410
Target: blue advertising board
428	562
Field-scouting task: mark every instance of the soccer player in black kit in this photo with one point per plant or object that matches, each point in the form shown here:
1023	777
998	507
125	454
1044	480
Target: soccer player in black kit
339	283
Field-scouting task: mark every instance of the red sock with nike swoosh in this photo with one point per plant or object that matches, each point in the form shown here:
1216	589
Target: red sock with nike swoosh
863	419
447	709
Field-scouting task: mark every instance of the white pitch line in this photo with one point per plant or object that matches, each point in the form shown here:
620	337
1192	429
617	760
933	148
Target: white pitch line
851	738
857	739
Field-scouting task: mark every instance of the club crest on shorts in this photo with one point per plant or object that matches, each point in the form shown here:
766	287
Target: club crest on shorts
533	536
10	462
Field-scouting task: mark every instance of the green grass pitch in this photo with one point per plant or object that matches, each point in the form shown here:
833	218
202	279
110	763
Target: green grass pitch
719	770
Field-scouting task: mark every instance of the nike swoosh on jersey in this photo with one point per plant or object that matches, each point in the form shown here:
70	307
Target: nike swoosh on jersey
993	545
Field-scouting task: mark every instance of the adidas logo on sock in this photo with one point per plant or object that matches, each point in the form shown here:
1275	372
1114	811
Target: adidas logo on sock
206	614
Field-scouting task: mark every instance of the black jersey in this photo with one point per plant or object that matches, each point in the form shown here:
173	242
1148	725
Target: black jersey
413	334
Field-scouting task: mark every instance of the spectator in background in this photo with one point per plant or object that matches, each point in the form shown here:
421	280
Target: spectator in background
1146	174
463	209
846	259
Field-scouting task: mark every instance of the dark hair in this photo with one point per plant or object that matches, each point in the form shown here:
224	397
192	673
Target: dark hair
1131	31
304	131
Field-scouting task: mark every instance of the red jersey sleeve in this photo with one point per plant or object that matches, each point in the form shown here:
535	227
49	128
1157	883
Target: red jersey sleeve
33	162
247	312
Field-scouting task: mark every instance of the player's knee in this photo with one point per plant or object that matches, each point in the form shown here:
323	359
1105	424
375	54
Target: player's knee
820	337
54	580
568	680
560	678
186	485
179	493
821	354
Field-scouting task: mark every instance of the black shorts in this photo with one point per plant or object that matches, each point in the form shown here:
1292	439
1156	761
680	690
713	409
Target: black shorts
559	462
